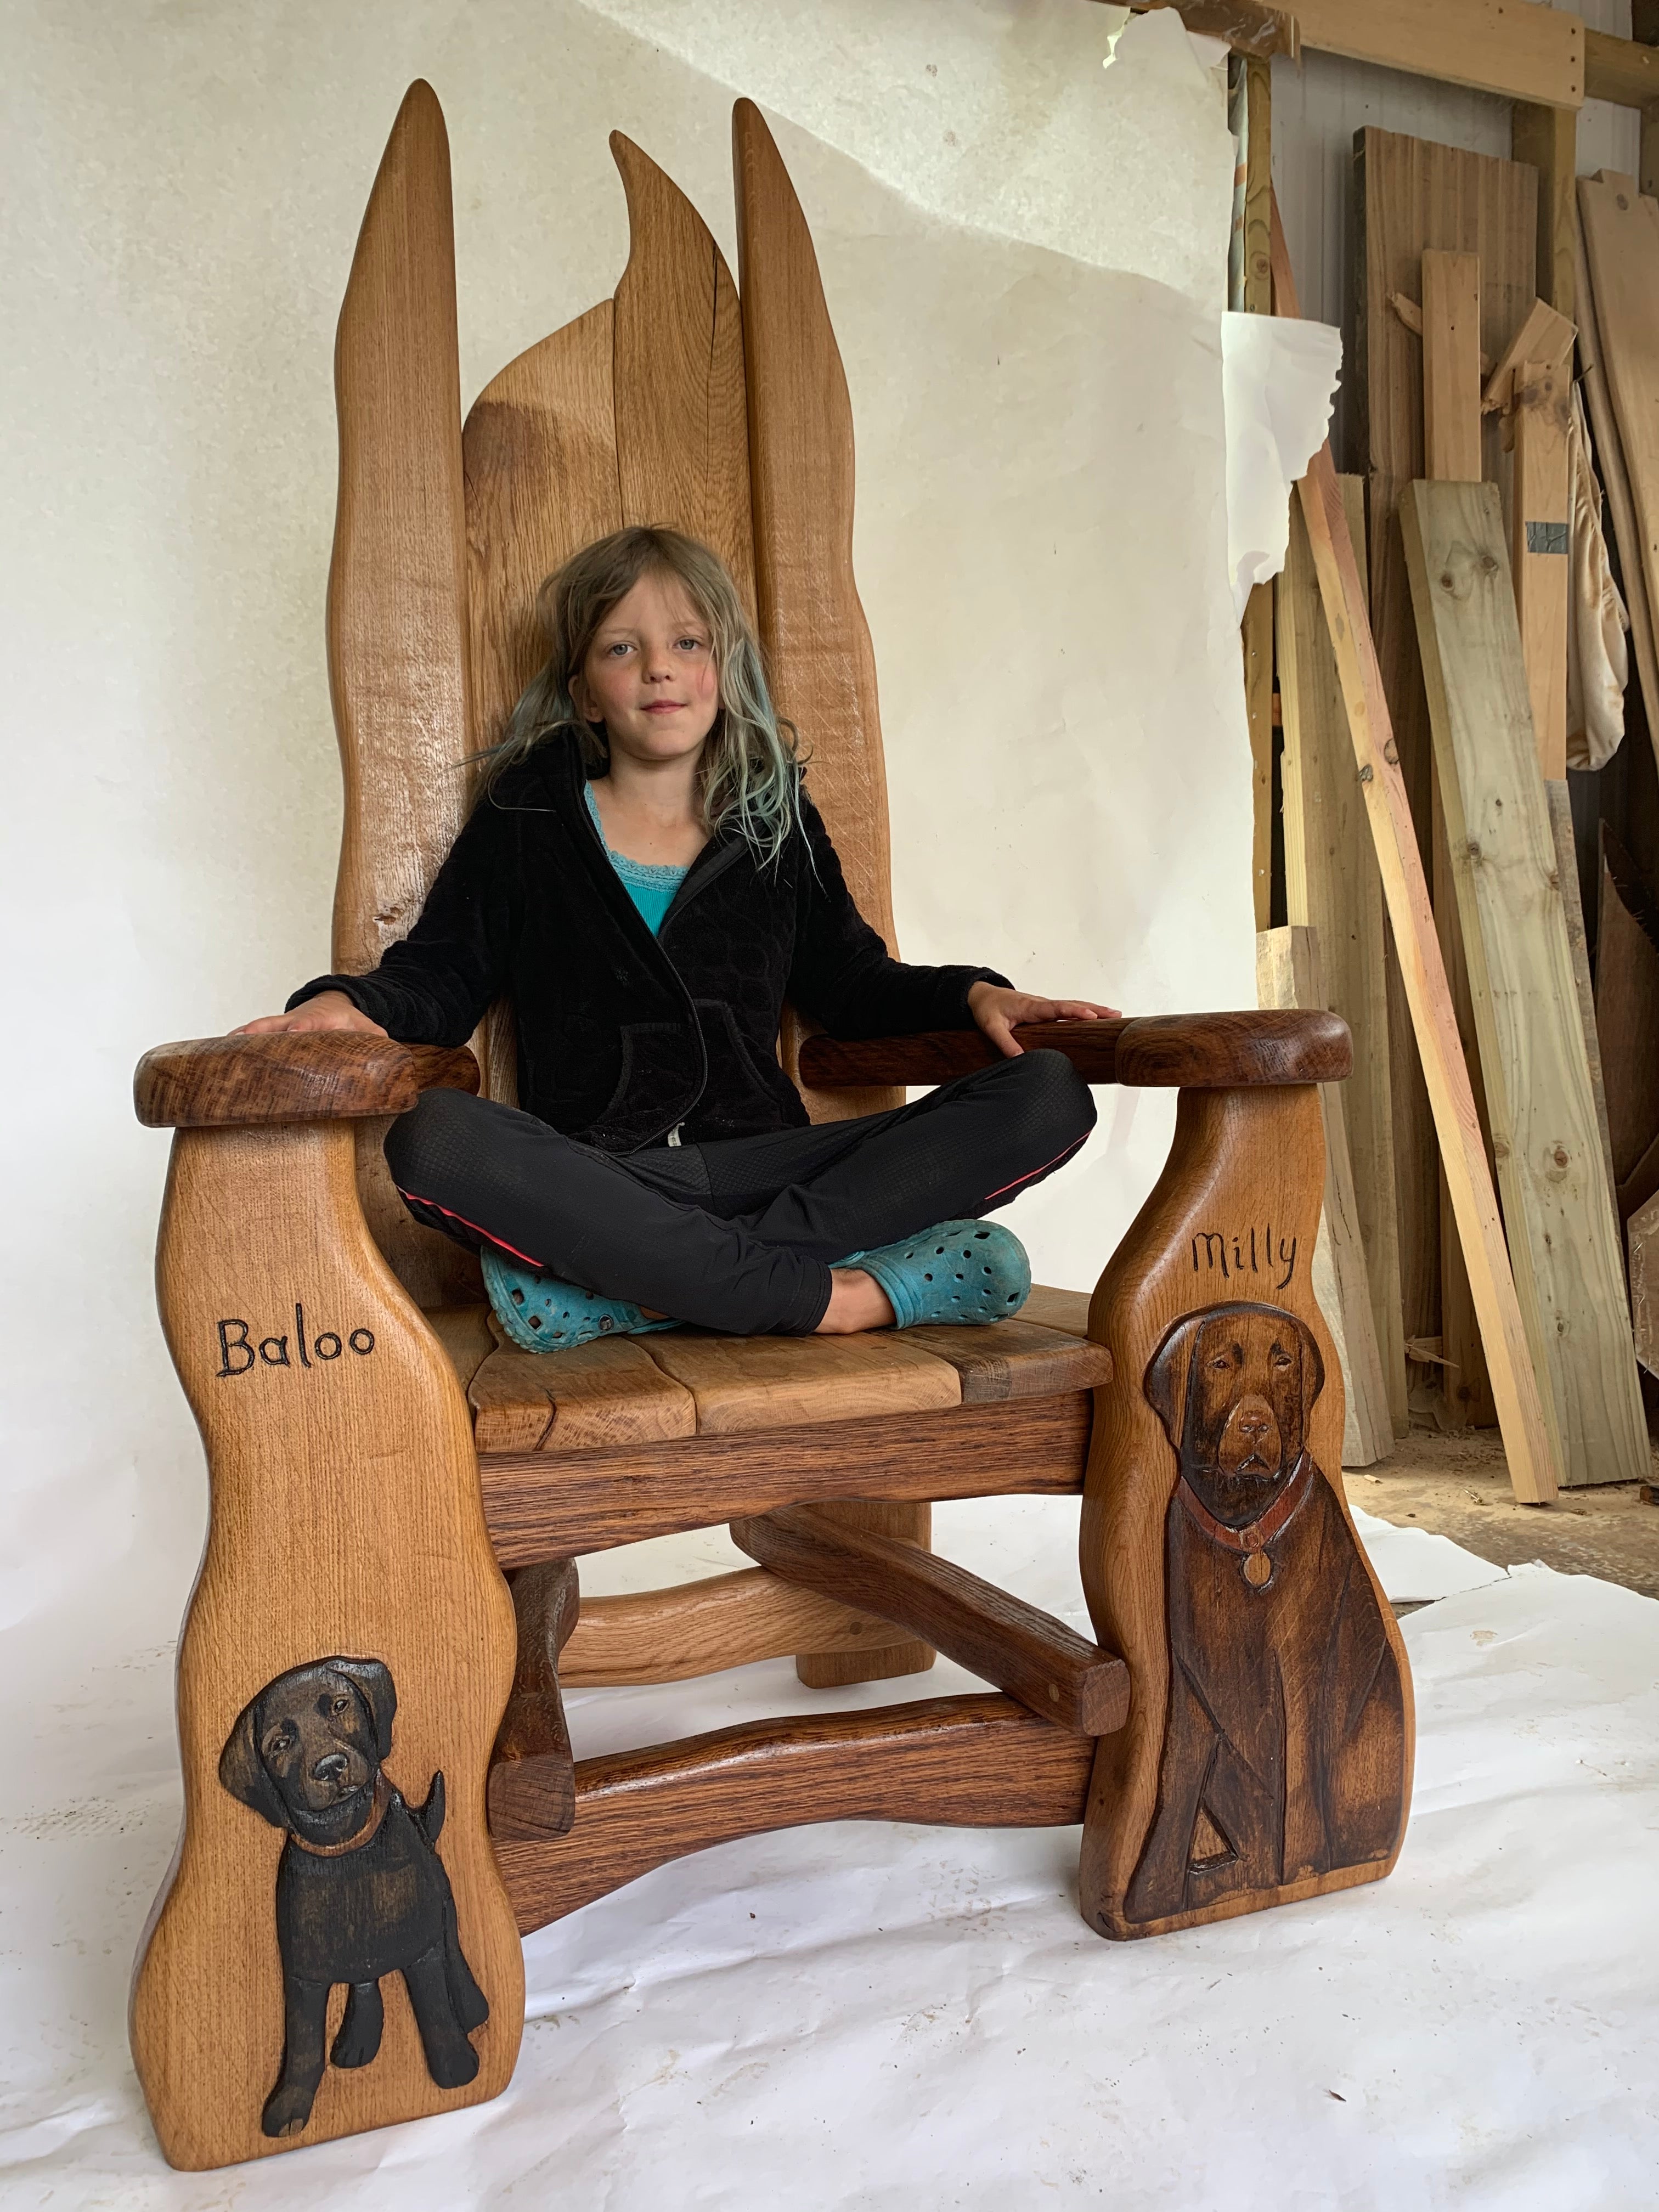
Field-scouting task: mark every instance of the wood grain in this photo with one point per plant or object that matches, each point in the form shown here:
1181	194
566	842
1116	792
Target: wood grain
1288	973
533	1775
539	1507
344	1520
1238	1158
1331	886
933	1056
609	1393
746	1383
1506	46
1545	336
718	1621
1049	1668
1191	1051
291	1075
1558	800
1065	1310
1642	1232
465	1334
1548	137
682	418
1621	242
972	1762
1620	70
1451	366
1540	529
1563	1236
1528	1448
818	654
1413	196
1018	1359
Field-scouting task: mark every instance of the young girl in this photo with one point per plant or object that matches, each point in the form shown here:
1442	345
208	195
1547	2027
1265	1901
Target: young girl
647	879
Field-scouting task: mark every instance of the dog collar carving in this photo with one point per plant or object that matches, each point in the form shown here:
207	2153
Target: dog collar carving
1251	1543
364	1835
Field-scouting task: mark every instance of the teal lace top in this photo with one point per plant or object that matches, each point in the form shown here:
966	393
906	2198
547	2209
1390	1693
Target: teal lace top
651	888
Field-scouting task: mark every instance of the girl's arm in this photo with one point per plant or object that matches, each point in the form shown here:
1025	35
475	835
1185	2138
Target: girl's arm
436	986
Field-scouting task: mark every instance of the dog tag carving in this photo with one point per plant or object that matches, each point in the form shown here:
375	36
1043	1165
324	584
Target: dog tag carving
361	1890
1283	1748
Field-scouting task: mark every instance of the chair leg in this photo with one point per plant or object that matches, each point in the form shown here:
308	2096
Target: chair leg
342	1668
533	1775
1267	1755
906	1655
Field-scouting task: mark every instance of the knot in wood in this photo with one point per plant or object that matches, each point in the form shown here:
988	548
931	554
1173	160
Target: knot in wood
1473	848
1391	753
1488	565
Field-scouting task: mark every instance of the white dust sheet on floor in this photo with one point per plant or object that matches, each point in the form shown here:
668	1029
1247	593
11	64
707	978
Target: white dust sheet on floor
879	2016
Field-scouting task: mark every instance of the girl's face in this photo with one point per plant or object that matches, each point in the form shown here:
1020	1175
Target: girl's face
649	675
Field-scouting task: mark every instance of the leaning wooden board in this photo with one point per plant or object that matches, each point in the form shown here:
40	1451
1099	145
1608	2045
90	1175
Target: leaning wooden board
1564	1239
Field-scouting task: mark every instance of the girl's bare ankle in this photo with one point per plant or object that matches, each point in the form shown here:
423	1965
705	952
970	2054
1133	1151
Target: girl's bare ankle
857	1302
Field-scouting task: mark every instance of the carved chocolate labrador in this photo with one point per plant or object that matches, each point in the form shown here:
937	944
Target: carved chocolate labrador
1284	1749
361	1890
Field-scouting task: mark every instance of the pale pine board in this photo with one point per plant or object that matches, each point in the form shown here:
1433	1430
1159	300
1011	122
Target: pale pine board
1564	1244
1333	886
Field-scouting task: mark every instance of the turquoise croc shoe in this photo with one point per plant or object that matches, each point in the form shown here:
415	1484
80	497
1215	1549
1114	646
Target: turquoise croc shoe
542	1314
957	1270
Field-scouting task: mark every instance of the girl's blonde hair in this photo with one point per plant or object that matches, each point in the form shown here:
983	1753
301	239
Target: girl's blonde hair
750	771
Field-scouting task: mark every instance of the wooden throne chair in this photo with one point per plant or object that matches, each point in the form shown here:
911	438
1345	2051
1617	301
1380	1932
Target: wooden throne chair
379	1796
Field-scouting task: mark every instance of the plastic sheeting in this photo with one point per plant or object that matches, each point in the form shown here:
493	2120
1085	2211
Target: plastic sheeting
875	2016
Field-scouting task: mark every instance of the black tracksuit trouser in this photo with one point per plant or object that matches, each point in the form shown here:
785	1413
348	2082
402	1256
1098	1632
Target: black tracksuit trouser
738	1235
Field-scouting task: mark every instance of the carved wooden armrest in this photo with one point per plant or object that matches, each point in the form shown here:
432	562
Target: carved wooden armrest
1189	1052
291	1075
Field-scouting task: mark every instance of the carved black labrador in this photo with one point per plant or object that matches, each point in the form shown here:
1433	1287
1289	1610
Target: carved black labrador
361	1890
1284	1751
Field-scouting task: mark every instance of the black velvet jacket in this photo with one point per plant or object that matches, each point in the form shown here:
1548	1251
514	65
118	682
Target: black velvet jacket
624	1035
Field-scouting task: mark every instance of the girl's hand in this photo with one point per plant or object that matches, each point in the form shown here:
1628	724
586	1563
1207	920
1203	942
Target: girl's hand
329	1010
996	1011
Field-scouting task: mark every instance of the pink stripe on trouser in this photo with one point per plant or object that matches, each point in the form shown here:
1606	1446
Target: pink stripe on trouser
1035	1172
450	1214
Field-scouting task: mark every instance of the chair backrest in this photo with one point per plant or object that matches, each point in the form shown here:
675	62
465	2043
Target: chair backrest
675	403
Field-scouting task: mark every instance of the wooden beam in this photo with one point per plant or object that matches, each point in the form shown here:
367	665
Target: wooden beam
1540	526
1564	1240
971	1762
1520	50
1049	1666
1451	366
1256	631
1287	971
1331	885
1526	1435
1544	337
540	1507
1620	70
700	1627
1548	137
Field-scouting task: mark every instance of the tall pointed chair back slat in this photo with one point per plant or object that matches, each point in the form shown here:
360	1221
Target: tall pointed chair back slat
819	657
681	418
397	602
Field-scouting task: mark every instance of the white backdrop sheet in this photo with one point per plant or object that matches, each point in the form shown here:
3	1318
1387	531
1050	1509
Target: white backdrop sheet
883	2018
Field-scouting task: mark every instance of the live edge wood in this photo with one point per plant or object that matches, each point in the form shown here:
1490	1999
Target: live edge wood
1193	1052
542	1508
971	1762
1060	1674
305	1075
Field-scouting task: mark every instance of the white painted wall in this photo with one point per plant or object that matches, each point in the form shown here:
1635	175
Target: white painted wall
1041	546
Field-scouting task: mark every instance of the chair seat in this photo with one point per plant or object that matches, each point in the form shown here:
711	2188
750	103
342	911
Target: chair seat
625	1391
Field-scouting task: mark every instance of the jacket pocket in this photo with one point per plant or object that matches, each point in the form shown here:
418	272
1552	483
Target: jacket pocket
743	1090
657	1079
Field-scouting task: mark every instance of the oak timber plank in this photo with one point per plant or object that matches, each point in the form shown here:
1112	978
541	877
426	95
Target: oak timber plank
1451	366
700	1627
1413	196
818	656
973	1762
1288	973
1065	1311
745	1383
1563	1242
1559	800
609	1393
1331	886
465	1334
1519	51
1049	1668
1540	522
539	1507
1621	244
1527	1440
1547	139
1627	1005
681	419
1018	1358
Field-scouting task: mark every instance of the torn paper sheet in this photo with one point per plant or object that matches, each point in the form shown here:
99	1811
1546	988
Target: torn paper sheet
1598	655
1279	378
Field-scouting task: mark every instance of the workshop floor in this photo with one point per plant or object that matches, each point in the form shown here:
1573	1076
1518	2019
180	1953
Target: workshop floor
1459	1486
